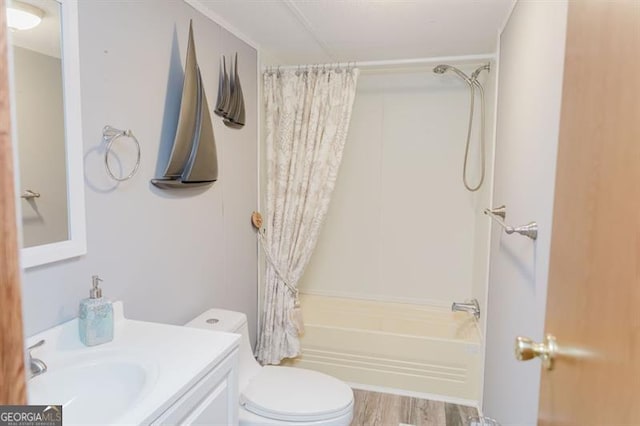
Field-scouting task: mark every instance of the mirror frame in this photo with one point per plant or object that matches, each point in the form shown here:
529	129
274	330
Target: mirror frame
76	245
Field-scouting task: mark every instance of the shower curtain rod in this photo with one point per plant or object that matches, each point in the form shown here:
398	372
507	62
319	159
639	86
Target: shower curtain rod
434	60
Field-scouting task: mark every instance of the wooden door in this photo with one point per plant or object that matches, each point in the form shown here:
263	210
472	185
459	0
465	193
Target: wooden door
12	376
593	305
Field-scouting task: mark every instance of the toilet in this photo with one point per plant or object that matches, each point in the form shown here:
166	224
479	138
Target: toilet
273	395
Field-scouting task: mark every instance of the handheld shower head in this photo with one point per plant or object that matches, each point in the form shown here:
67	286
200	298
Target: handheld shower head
473	84
442	68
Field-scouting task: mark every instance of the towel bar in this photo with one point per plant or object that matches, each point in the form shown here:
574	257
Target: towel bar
28	194
499	214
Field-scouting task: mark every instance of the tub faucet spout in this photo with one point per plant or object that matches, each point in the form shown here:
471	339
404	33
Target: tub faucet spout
472	306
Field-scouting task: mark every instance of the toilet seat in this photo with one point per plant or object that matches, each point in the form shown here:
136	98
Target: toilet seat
296	395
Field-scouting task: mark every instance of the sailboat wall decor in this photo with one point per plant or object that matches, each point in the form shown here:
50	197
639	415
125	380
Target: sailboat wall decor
230	104
224	94
193	161
235	118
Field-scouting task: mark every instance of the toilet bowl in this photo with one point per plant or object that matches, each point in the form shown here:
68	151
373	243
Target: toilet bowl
273	395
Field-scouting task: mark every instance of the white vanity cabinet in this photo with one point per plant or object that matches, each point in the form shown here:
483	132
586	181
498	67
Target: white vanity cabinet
213	400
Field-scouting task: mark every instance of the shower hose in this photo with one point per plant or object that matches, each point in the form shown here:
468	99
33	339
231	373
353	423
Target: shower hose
473	83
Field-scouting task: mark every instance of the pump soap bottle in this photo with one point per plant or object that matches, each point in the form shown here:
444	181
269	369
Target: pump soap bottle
95	319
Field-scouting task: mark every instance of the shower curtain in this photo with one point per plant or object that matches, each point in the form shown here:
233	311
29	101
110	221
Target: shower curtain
307	117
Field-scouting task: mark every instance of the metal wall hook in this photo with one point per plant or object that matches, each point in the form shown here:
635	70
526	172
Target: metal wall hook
499	214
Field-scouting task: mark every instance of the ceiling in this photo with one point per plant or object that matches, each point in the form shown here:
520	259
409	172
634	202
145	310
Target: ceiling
45	38
316	31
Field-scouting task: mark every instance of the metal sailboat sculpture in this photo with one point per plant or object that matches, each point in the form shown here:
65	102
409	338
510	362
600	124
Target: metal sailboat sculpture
193	161
224	90
230	104
235	118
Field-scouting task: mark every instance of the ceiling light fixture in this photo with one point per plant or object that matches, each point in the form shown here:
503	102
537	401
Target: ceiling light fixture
22	16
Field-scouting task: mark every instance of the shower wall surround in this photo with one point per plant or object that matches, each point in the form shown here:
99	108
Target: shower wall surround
401	226
167	256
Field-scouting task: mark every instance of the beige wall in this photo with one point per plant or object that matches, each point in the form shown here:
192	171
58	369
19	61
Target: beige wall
401	226
169	255
529	96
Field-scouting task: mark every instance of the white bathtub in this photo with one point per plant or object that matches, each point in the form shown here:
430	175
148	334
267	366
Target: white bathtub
414	348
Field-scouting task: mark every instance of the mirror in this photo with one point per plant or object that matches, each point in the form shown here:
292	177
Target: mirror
47	128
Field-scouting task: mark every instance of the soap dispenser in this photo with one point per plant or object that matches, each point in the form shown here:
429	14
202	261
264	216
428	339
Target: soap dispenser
95	319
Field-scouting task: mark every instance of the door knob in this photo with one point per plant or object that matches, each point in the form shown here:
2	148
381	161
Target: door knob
527	349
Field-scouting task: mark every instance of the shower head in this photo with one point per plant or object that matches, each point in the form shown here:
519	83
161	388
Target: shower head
442	68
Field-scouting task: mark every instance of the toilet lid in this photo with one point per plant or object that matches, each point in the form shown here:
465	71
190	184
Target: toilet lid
295	394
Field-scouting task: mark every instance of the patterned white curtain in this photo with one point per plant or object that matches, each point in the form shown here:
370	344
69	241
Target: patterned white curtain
307	117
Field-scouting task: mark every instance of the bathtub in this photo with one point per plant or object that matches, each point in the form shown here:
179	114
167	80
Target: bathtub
412	348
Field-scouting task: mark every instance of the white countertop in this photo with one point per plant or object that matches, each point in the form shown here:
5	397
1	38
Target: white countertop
174	359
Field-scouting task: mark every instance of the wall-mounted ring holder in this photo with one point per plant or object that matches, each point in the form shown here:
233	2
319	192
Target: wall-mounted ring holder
110	135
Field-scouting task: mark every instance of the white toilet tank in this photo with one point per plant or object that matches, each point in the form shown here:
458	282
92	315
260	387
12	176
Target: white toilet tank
231	322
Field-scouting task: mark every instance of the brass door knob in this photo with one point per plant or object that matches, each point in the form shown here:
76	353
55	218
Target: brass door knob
527	349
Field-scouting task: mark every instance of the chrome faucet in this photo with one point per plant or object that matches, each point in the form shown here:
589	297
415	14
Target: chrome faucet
36	366
472	306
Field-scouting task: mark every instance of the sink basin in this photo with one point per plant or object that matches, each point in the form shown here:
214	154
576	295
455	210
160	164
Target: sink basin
131	380
100	389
